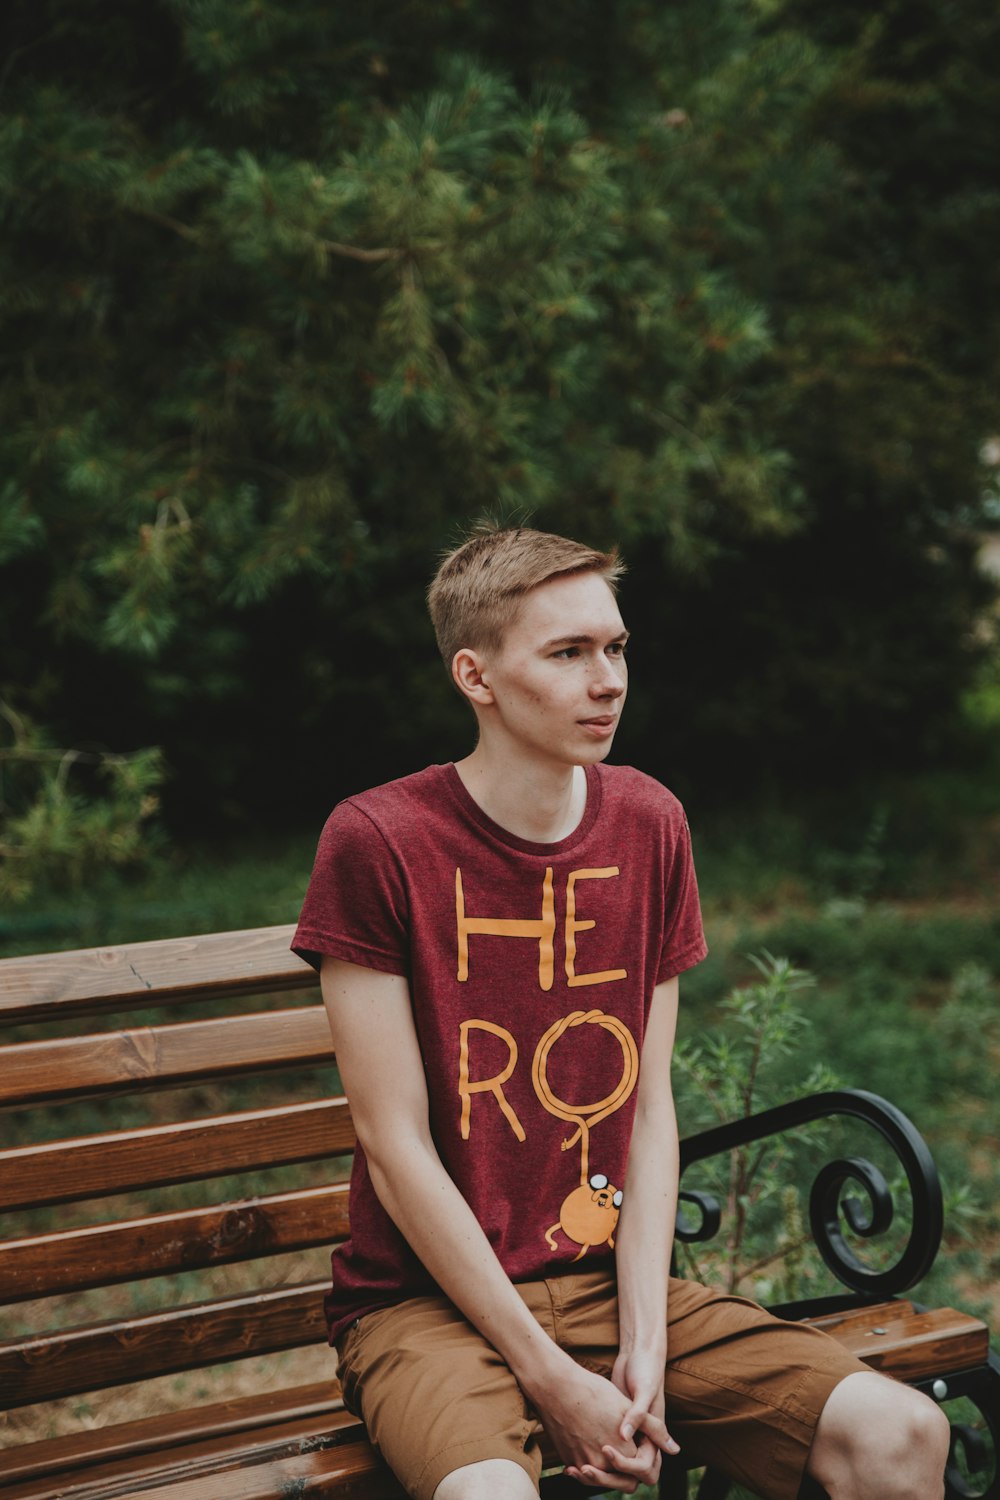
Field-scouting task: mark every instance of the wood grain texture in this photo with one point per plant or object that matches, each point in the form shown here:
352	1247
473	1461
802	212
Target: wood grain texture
152	1056
243	1421
68	1362
181	1446
346	1467
86	980
104	1478
349	1471
92	1166
916	1345
238	1449
162	1244
861	1318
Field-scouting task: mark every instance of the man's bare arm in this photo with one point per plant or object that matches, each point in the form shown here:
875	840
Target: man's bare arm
380	1064
645	1234
649	1207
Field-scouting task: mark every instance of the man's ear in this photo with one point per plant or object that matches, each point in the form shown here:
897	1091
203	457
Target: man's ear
469	669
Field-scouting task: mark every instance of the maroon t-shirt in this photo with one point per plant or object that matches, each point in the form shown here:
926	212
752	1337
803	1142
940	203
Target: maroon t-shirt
531	969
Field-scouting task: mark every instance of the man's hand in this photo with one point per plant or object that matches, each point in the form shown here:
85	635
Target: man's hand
640	1378
585	1416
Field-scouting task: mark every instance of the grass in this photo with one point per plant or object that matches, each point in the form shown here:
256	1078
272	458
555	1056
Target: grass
190	890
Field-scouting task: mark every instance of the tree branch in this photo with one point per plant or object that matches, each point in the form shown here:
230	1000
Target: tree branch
184	230
355	252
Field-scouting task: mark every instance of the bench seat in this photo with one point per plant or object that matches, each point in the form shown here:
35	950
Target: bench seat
303	1442
103	1031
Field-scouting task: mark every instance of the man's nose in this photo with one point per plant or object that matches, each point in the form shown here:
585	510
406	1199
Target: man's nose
607	682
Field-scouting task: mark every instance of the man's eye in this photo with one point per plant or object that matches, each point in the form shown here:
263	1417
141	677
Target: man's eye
567	652
617	648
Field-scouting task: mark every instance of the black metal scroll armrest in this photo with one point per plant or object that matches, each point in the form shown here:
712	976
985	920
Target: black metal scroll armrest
825	1205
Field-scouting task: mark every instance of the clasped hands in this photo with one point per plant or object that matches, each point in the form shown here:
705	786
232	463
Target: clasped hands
612	1433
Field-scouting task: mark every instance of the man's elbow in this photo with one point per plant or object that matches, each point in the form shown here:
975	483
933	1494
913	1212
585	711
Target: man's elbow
391	1151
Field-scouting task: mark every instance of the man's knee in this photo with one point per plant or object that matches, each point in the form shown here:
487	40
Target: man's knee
880	1437
490	1479
920	1429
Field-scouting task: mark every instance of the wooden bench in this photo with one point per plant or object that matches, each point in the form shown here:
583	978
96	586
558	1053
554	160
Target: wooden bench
113	1084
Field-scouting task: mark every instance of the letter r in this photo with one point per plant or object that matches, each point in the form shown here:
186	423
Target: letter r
493	1085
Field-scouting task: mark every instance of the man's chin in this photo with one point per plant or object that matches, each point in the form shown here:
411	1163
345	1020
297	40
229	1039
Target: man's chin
595	753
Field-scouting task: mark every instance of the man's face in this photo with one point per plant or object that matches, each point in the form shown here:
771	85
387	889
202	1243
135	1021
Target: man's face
559	678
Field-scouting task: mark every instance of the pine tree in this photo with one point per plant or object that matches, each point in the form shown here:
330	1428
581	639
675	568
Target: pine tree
291	293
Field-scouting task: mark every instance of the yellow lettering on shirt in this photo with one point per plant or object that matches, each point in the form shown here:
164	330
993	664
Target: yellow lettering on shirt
586	1115
604	976
543	928
492	1085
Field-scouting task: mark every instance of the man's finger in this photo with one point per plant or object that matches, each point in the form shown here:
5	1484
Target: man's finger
656	1431
633	1417
644	1465
602	1479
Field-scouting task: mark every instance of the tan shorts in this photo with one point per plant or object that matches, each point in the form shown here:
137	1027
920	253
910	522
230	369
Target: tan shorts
744	1390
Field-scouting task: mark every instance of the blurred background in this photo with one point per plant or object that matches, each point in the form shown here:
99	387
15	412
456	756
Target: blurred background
292	294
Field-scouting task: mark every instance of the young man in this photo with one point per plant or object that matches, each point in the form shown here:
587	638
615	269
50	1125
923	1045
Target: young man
500	942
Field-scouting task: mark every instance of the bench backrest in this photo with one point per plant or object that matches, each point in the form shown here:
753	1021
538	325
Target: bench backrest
189	1085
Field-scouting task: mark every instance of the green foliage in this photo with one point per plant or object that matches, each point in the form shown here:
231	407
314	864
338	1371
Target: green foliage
908	1008
928	1038
291	294
67	816
765	1021
727	1072
217	888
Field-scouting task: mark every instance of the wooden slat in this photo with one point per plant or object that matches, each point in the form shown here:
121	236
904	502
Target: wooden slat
352	1471
105	1478
234	1451
184	1446
114	1061
242	1421
68	1362
85	980
348	1469
861	1318
919	1344
200	1461
92	1166
104	1254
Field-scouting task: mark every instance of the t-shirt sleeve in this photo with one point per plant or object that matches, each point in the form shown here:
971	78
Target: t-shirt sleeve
683	934
355	906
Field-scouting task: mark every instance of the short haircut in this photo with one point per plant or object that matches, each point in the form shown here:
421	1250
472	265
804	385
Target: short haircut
476	592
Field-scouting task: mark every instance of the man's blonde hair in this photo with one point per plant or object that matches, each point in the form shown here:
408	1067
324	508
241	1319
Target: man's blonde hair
476	593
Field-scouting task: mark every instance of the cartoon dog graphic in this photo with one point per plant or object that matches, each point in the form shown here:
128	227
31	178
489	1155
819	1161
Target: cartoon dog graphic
589	1215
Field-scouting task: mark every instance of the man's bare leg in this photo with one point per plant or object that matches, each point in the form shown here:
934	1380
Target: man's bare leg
879	1440
491	1479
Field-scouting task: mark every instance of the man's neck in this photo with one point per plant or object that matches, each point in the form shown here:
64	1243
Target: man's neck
541	803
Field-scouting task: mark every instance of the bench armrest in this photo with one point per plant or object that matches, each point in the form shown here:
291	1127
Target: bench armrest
825	1206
